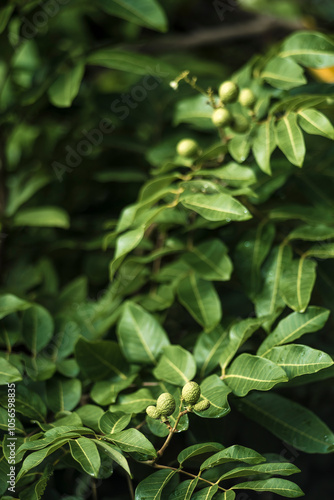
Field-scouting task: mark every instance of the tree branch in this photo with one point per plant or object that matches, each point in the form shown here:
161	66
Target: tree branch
258	25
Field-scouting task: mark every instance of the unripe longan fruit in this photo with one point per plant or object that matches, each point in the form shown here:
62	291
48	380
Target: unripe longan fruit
221	117
187	148
247	98
228	91
202	405
153	412
191	393
240	124
166	404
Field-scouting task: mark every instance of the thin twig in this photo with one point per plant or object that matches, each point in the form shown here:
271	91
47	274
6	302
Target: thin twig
130	485
258	25
172	431
94	492
157	466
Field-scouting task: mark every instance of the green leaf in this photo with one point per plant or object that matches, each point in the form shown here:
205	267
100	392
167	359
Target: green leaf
152	487
137	402
124	244
37	457
323	251
305	213
309	48
66	87
298	359
132	62
40	368
90	415
216	207
176	366
67	425
63	394
19	429
298	279
111	422
210	260
279	468
196	111
141	337
36	490
158	299
264	144
233	173
289	421
8	373
249	372
237	335
290	139
206	493
146	13
132	440
5	15
216	391
101	359
312	233
184	490
293	327
198	449
283	73
208	349
29	403
279	486
316	123
9	304
201	300
85	452
114	454
252	249
37	328
234	453
226	495
22	188
42	217
105	391
239	147
324	374
268	301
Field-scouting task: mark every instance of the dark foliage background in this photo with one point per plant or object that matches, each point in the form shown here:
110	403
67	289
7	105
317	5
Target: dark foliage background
212	40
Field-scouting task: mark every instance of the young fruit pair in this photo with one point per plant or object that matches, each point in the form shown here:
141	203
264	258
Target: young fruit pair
229	92
165	406
191	393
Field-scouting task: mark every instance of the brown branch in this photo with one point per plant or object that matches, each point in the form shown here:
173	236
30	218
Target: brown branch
157	466
258	25
130	486
171	432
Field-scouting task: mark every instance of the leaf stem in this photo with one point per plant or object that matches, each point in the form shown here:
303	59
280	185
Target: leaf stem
157	466
172	431
94	492
130	485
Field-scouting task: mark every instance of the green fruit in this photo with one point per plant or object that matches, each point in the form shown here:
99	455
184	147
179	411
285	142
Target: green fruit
240	124
153	412
228	91
202	405
187	148
247	98
166	404
191	393
221	117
